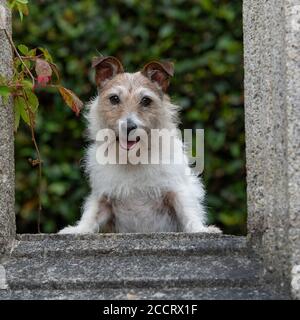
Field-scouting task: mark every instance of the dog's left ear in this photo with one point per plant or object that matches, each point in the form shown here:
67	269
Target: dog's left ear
106	68
159	72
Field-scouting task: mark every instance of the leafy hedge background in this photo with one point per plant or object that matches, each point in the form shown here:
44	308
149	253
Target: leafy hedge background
203	38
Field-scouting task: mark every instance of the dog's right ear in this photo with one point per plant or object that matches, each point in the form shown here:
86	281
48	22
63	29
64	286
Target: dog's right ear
159	72
106	68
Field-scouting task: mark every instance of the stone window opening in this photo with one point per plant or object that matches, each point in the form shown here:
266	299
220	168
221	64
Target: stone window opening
272	120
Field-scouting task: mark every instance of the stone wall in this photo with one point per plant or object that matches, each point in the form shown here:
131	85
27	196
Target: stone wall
272	115
7	176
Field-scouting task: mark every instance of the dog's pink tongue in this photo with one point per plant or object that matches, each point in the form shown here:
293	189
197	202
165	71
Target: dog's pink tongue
127	145
130	144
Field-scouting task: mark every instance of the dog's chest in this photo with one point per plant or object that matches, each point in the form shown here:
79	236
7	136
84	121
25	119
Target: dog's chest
141	213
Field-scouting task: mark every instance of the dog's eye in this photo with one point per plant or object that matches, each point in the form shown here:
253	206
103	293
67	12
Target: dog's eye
114	99
146	101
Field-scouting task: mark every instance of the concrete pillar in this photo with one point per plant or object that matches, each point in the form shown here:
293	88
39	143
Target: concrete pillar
272	119
7	168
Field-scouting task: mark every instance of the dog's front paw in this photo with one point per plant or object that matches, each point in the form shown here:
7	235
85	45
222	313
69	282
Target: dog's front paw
73	230
212	229
203	229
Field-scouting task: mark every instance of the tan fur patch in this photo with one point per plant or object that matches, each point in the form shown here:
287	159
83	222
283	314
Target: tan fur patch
127	87
106	205
168	204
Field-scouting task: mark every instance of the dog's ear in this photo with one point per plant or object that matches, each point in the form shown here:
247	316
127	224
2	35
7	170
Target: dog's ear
106	68
159	72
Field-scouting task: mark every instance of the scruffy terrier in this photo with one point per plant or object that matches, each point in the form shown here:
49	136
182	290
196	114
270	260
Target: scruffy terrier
139	197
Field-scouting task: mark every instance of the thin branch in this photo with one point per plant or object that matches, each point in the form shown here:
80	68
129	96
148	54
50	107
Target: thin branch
18	55
39	163
32	57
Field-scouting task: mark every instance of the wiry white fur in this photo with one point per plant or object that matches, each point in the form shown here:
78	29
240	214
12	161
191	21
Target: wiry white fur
137	190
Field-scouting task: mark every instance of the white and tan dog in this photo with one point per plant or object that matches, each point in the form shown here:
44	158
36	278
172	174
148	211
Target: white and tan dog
137	197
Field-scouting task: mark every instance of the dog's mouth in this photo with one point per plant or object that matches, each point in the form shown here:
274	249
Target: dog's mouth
128	144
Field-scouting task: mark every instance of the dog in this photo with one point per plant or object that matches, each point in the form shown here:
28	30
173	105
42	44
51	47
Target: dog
137	198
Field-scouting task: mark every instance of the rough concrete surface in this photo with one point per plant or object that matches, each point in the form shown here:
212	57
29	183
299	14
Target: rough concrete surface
217	293
134	266
7	175
272	116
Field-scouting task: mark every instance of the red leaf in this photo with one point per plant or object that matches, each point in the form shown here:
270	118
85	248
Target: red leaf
43	80
43	68
71	99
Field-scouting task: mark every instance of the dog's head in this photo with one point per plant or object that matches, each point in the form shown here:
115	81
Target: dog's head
130	101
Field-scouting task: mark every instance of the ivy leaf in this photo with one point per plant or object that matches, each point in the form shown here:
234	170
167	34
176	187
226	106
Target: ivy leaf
23	49
12	4
17	115
71	99
20	12
43	71
4	91
27	84
23	1
55	70
46	54
28	65
43	68
32	100
20	106
42	81
32	52
21	7
17	63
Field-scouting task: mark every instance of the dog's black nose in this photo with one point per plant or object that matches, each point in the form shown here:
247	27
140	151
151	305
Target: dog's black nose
130	126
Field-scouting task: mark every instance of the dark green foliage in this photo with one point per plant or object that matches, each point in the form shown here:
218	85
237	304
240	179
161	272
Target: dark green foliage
203	38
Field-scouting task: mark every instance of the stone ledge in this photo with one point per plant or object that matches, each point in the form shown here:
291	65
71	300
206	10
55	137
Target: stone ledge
99	236
130	271
126	244
134	266
260	293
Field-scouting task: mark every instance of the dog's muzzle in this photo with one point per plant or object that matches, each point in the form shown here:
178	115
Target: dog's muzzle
127	138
